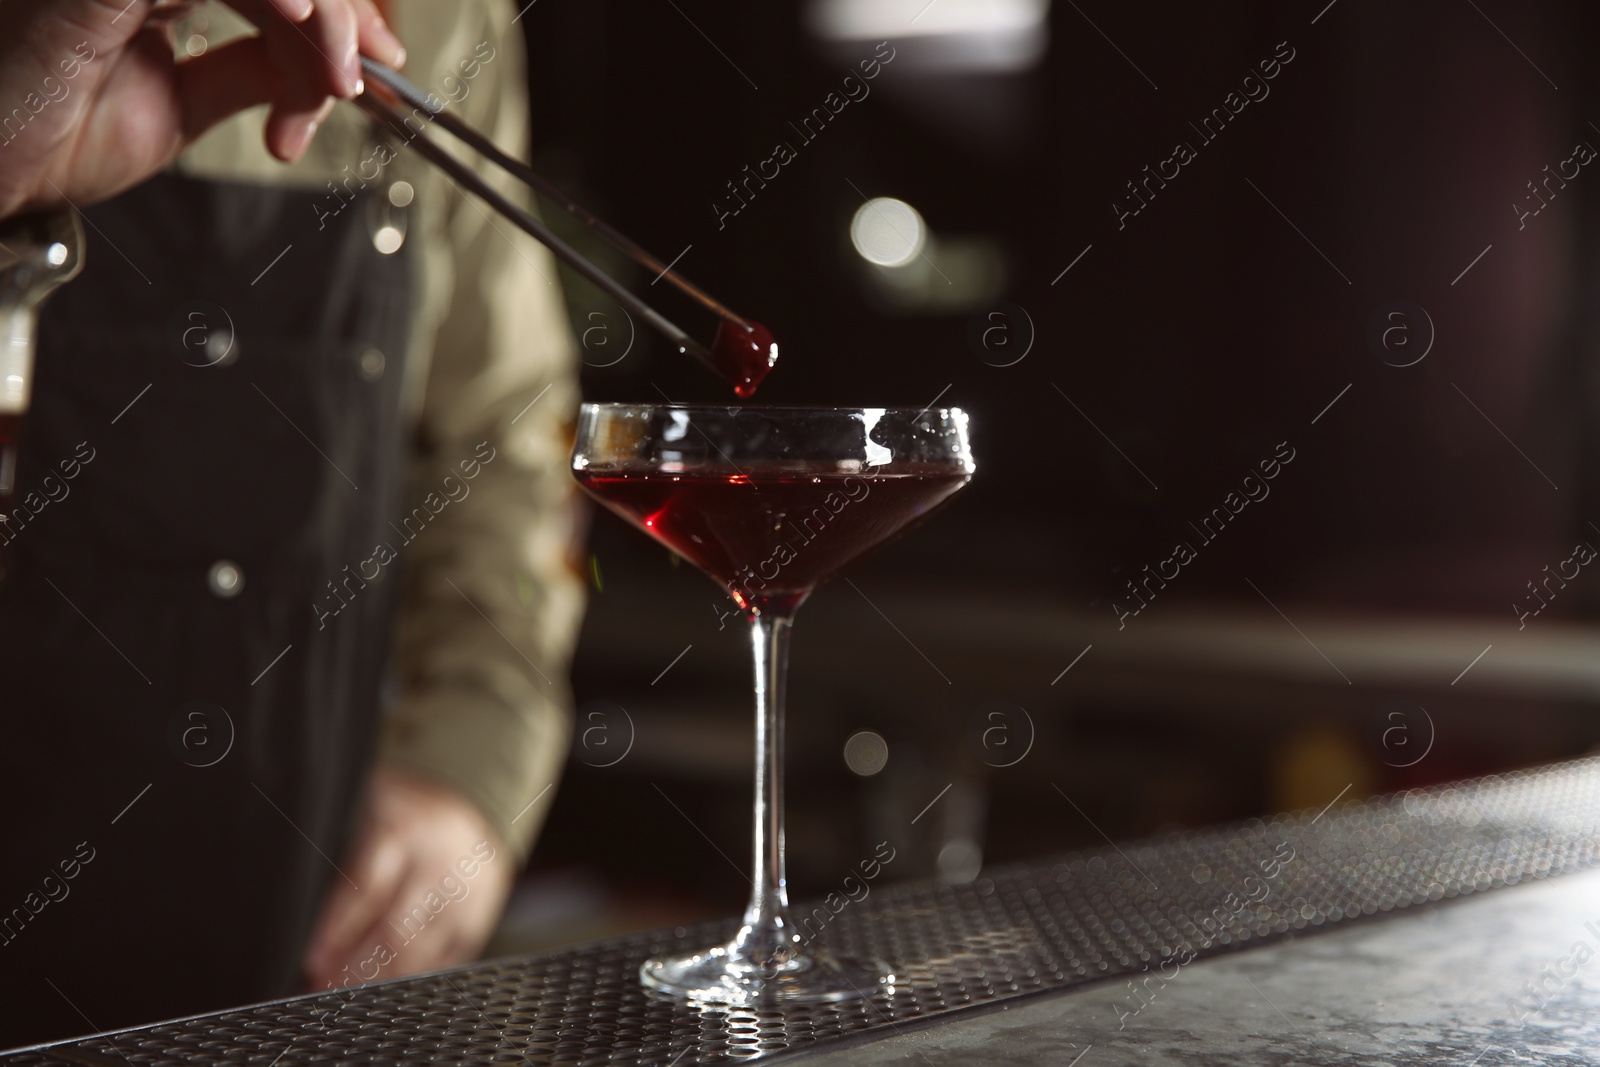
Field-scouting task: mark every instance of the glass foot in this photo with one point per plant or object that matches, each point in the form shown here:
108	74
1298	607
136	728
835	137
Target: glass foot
717	977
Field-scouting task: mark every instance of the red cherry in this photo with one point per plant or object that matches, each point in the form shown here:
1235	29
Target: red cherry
744	356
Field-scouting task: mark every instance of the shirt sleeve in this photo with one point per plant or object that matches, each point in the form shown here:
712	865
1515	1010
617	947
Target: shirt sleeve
493	598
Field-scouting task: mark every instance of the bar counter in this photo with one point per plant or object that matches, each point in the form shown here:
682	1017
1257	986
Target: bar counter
1458	925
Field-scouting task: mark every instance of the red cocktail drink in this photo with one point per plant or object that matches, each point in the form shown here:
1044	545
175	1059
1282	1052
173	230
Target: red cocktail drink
769	537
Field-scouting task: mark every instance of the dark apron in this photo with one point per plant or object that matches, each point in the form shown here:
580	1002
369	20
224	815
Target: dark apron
116	618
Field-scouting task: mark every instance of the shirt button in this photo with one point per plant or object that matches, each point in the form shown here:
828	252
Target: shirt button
225	579
372	364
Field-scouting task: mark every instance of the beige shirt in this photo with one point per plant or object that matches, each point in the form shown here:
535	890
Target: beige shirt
493	598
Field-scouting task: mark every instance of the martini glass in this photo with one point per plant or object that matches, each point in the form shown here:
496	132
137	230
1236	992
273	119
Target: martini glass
768	502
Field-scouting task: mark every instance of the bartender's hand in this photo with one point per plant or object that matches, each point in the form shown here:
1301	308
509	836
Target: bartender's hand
127	112
409	855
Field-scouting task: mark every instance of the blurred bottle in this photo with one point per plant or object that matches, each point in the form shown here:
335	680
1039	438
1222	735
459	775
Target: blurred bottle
1313	765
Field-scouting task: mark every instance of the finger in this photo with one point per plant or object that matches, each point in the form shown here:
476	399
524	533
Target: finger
412	943
381	871
377	39
281	18
317	55
427	946
306	78
325	964
293	10
290	129
303	104
332	34
457	934
365	956
339	41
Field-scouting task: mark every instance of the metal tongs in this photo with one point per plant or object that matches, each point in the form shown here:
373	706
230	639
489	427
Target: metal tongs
387	114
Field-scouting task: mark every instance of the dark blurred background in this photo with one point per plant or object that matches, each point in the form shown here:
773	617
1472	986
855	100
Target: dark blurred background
1355	271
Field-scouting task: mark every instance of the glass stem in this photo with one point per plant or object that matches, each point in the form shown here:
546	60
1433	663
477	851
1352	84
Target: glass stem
766	941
